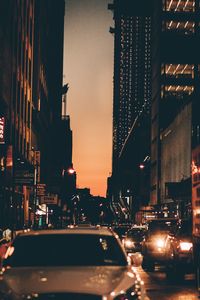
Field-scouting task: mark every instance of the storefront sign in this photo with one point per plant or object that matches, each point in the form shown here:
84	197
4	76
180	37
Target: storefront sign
41	189
50	199
2	130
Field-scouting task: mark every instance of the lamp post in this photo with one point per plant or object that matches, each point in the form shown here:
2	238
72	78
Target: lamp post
144	180
35	158
35	193
69	190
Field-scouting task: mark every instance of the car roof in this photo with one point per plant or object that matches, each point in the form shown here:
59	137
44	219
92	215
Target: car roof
138	227
137	230
71	230
163	220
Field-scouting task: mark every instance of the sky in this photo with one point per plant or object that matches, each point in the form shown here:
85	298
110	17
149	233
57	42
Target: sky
88	69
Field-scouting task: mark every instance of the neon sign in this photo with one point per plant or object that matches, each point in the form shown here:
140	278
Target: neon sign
195	168
2	130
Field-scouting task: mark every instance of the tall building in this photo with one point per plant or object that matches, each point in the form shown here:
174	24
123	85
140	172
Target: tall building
68	188
16	59
31	61
132	92
175	91
48	90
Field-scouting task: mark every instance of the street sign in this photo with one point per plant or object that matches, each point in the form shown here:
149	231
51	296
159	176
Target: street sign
41	189
24	177
37	164
50	199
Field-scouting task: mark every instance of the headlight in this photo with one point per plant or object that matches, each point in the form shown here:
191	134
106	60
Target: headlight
160	243
128	243
185	246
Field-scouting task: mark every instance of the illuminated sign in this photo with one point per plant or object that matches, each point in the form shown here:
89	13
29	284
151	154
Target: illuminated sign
195	168
24	177
50	199
2	130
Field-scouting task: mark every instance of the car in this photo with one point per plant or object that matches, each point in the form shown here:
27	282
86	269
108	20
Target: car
73	263
153	245
179	251
134	238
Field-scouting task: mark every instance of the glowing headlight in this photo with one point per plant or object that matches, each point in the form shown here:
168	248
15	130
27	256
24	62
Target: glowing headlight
160	243
185	246
128	243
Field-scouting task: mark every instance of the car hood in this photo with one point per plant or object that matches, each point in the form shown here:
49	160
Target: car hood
92	280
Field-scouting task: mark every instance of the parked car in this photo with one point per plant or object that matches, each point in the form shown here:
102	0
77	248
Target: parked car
179	251
134	238
154	243
75	263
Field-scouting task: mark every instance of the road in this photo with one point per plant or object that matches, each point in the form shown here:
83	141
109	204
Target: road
158	287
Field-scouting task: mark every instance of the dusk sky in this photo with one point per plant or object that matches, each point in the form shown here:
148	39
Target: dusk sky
88	69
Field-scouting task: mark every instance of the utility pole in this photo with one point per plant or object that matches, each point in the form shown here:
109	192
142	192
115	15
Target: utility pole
36	164
35	192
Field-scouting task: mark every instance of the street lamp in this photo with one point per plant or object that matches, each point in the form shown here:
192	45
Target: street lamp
141	166
144	163
71	171
69	190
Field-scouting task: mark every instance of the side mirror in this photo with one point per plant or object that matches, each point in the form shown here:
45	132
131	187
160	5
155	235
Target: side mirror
135	259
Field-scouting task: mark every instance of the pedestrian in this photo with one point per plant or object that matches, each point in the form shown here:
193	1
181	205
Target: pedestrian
5	239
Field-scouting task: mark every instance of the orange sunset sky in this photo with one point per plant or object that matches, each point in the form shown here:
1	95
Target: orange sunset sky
88	69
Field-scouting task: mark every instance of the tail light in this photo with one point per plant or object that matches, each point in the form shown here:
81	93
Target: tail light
185	246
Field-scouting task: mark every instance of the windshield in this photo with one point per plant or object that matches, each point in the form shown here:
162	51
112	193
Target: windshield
136	234
66	250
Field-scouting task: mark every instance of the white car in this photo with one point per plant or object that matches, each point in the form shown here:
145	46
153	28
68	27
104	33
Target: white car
74	263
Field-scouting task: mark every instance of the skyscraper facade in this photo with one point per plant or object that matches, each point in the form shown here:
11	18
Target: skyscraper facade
31	62
132	68
175	61
132	82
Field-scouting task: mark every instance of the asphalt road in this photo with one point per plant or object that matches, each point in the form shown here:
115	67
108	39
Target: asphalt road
159	288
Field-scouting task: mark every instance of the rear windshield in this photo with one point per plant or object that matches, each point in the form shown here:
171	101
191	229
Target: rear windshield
136	234
66	250
163	226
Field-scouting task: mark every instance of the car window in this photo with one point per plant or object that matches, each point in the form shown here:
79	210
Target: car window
121	230
66	250
162	226
185	229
